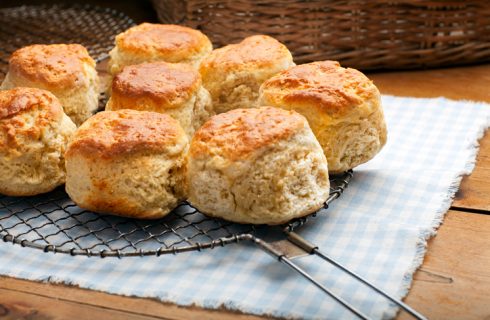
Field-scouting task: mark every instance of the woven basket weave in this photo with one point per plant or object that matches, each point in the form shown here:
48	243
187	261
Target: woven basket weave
363	34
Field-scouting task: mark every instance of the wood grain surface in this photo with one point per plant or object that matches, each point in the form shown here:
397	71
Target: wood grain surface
454	281
467	83
22	299
474	192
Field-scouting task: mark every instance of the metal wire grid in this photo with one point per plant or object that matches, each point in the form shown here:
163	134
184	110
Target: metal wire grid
52	222
91	26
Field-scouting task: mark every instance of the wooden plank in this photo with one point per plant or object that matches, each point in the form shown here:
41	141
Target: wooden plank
474	191
35	300
454	281
469	83
20	305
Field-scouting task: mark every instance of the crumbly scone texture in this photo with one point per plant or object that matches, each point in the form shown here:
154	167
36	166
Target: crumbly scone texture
173	89
34	132
66	70
150	42
342	105
129	163
233	74
260	166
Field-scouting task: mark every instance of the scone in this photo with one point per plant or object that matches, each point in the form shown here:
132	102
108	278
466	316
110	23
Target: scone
34	132
149	42
342	105
173	89
258	165
234	73
66	70
129	163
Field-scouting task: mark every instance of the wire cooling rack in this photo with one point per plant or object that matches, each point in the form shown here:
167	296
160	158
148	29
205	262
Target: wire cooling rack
52	222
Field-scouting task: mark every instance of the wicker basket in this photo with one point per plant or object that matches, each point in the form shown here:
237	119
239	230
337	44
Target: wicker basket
363	34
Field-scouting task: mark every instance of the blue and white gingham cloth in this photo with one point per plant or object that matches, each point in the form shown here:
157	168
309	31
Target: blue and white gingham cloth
378	228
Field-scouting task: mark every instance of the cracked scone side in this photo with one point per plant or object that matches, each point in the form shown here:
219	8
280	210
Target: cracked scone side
233	74
129	163
260	166
342	105
34	132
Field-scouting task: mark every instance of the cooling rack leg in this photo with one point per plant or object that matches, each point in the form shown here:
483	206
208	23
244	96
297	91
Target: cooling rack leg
281	257
311	248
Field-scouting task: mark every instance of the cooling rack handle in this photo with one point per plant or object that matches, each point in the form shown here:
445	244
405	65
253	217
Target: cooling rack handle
310	248
400	303
270	249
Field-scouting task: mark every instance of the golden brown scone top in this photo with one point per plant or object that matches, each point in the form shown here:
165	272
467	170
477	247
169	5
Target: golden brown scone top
259	51
57	65
114	133
177	42
238	133
26	112
168	84
325	84
22	99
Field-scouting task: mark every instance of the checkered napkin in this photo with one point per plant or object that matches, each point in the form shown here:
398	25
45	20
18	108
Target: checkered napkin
378	228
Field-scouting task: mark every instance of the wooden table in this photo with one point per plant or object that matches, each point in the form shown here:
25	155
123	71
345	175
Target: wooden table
453	282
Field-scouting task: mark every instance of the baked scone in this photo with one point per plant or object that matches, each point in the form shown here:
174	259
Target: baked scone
66	70
34	132
234	73
127	162
150	42
342	105
257	165
173	89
